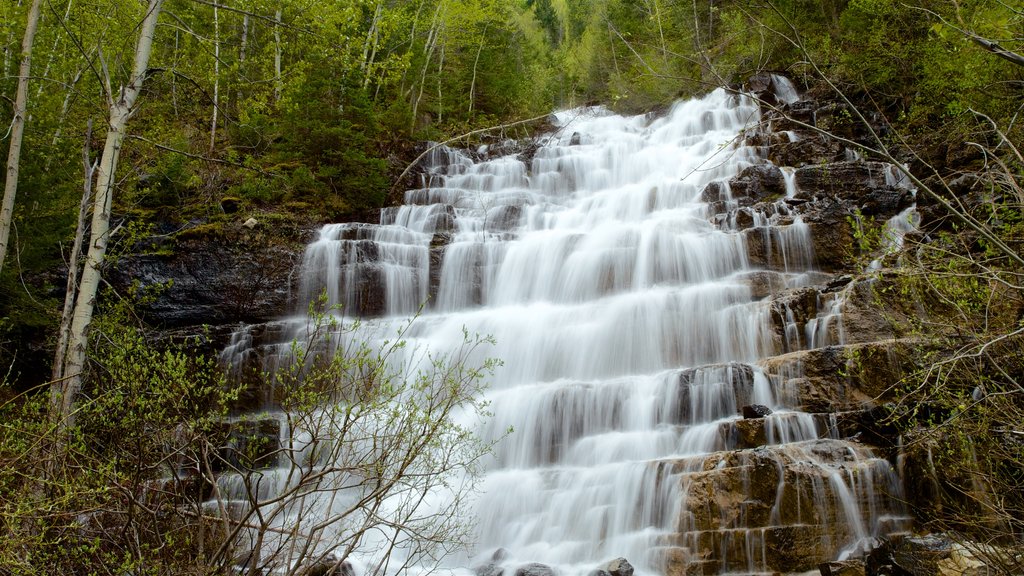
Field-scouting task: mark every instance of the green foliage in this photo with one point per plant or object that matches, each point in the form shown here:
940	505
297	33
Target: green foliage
134	492
120	498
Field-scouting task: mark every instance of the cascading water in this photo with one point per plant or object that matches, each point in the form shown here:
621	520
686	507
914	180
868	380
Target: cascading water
631	343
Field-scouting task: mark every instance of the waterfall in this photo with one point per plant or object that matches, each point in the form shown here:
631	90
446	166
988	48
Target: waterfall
631	342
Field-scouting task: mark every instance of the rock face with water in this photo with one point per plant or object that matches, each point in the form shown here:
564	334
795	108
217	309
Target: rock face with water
648	282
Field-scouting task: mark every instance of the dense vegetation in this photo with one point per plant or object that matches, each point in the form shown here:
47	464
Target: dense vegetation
310	109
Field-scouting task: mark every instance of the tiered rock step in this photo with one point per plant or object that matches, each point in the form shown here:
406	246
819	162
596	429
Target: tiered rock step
752	511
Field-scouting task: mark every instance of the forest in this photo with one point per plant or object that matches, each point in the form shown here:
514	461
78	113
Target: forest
141	127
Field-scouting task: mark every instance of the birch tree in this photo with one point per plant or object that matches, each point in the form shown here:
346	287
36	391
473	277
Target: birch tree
17	129
122	106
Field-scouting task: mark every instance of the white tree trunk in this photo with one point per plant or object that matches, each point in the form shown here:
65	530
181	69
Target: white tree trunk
241	58
216	79
122	105
64	332
370	46
277	56
17	129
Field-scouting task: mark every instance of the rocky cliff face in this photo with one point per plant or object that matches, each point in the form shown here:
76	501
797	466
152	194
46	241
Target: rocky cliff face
207	278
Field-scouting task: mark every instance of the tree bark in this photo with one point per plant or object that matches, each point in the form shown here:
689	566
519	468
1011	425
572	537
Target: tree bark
17	129
64	332
277	56
216	79
241	59
65	389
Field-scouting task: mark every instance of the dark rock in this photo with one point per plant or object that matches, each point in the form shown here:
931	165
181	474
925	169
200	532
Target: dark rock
862	184
838	282
329	566
534	569
759	83
574	140
744	219
438	245
757	183
751	411
493	567
713	192
808	150
223	275
901	556
443	219
843	568
766	87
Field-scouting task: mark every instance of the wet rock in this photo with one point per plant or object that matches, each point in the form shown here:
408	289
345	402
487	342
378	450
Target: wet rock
438	246
829	220
809	149
329	566
535	569
220	275
737	376
841	378
931	555
863	184
767	87
838	282
764	283
714	192
503	218
750	433
442	220
757	183
843	568
574	140
752	411
493	567
794	548
619	567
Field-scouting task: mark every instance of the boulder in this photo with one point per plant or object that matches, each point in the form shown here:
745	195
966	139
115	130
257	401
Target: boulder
757	183
535	569
843	568
493	566
329	566
619	567
752	411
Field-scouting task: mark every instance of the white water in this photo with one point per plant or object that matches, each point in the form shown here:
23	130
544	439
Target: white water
629	336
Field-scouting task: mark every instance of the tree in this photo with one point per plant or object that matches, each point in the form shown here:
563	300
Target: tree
17	129
367	435
378	455
122	105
